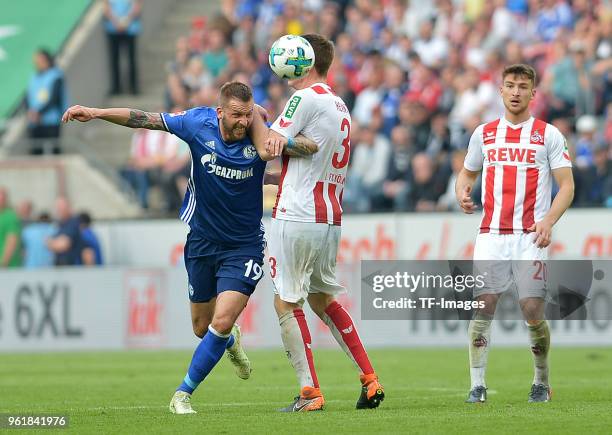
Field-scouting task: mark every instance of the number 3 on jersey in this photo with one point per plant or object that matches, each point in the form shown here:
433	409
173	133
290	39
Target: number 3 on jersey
255	268
346	146
272	261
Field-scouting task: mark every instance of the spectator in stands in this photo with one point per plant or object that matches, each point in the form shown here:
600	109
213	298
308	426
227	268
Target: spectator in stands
197	35
596	179
66	243
431	49
45	101
151	150
176	94
370	97
554	16
368	168
123	25
467	104
215	57
91	255
448	200
587	140
36	253
426	186
394	88
607	129
424	86
10	233
24	211
571	84
414	115
175	173
439	136
397	182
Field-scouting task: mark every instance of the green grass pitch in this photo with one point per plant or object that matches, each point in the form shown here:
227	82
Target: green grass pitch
128	392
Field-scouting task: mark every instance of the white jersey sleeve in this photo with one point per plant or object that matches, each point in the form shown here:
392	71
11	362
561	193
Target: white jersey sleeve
556	146
297	114
474	158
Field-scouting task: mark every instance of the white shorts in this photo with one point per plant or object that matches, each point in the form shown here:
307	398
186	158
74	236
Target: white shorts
507	259
303	259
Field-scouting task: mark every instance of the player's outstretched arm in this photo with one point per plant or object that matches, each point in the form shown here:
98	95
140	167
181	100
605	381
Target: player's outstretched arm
563	199
463	190
121	116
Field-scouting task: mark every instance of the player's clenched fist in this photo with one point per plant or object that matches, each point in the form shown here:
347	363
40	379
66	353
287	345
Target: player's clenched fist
465	200
79	113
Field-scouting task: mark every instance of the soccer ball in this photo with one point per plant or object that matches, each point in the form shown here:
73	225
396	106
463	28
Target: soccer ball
291	57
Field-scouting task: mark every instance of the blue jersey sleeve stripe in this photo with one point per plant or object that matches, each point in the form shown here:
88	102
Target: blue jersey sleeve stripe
189	210
164	121
192	210
189	203
189	196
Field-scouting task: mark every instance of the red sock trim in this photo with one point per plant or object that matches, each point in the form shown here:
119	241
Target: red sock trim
344	323
301	321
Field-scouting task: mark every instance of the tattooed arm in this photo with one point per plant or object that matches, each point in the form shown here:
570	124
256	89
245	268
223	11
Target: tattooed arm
299	146
127	117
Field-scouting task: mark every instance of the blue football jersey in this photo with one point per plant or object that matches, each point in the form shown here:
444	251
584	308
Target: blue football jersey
224	199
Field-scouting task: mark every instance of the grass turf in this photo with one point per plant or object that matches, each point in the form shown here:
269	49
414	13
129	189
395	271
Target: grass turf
128	392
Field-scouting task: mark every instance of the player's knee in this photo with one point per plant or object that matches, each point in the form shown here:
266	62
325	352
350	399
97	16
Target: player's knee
283	307
222	324
533	311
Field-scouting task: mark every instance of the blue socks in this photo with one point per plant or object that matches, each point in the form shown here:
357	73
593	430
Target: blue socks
206	356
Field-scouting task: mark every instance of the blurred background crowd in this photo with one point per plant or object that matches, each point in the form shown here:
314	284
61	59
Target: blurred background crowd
418	77
37	241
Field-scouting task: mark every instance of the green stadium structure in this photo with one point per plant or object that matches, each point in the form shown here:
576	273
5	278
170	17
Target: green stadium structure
25	26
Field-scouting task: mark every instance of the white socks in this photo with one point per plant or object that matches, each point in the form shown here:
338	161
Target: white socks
297	343
479	332
539	335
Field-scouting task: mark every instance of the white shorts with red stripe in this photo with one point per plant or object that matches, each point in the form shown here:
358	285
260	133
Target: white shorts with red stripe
505	260
303	259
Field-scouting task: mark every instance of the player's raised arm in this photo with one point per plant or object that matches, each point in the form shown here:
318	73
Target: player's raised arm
132	118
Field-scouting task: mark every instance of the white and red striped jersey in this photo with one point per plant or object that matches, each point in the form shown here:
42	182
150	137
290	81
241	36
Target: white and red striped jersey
517	161
310	188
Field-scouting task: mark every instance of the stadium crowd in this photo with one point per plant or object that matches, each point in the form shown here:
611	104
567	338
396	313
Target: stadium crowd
38	241
418	77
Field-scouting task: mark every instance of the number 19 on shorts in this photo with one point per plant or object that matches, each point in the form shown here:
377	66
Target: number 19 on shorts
253	268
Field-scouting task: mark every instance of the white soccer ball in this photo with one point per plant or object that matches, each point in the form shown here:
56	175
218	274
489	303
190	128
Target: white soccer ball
291	57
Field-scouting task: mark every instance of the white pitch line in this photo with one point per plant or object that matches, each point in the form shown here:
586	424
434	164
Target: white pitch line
453	393
204	405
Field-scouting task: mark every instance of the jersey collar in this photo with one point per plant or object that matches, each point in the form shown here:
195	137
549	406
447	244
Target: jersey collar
515	126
